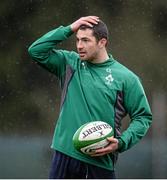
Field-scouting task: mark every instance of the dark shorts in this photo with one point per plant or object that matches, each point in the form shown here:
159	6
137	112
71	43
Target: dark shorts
65	167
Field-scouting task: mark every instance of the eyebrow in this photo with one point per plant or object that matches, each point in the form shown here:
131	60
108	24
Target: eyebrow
83	38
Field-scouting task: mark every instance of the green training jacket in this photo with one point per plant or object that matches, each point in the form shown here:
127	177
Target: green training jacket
90	92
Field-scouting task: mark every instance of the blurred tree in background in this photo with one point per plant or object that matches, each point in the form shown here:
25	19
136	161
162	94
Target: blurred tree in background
29	96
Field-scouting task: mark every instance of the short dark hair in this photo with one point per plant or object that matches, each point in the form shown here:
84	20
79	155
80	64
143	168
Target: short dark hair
100	30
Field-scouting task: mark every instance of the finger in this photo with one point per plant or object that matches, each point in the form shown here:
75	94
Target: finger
90	19
90	24
110	148
112	139
103	150
99	154
96	18
93	21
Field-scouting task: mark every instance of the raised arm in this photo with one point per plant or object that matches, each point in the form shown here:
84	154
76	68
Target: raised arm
44	49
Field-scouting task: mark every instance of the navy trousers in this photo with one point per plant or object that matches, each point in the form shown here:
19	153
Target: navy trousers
65	167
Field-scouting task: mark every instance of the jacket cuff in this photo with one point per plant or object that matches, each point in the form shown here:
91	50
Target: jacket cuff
120	144
68	31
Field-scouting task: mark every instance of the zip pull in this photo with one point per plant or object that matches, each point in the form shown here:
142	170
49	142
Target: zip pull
83	65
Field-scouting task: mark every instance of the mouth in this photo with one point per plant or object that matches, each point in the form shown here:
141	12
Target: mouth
82	54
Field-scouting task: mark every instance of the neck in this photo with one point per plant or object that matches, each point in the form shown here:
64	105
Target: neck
101	57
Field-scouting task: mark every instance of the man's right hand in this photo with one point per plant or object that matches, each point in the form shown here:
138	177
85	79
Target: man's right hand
88	20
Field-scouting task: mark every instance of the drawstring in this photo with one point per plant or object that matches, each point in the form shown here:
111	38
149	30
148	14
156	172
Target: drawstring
86	171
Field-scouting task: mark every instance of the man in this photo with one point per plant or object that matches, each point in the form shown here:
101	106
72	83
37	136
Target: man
94	87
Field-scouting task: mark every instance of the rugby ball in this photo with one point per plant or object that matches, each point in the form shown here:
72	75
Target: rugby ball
92	136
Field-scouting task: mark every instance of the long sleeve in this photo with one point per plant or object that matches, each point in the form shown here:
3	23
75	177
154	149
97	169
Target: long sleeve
43	50
140	114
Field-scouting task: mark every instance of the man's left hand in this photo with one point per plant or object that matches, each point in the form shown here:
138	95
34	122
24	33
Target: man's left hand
112	147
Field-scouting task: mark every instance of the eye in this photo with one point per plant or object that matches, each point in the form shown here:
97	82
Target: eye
85	40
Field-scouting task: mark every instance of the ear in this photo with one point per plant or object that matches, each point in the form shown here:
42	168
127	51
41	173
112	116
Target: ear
102	42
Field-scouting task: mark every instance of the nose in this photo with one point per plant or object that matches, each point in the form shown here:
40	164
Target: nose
79	45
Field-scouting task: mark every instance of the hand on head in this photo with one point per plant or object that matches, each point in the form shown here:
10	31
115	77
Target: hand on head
88	20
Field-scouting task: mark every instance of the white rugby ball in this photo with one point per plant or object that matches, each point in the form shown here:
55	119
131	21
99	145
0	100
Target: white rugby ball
92	136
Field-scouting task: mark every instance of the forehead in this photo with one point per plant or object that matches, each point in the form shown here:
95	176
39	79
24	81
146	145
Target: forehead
84	33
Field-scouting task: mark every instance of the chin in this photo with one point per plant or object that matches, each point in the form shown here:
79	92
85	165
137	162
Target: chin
83	58
86	58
